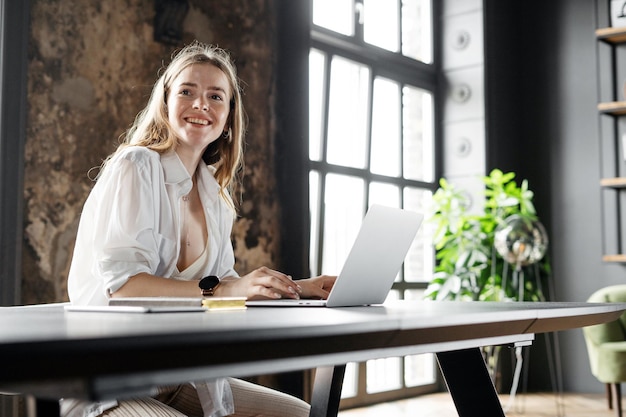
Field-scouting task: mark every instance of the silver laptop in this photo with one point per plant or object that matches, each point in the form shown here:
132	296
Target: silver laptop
373	263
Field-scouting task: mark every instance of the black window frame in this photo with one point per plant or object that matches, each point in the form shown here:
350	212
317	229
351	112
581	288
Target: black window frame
296	36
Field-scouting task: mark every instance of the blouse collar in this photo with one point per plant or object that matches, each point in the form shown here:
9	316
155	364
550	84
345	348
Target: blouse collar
175	173
173	168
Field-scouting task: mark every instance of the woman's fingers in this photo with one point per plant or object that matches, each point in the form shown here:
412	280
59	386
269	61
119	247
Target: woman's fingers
273	284
285	287
269	283
319	287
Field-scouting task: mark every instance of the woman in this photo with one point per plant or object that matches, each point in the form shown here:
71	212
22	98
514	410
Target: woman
159	219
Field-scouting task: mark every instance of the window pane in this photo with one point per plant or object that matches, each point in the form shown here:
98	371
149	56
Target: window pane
417	134
350	381
419	370
343	203
314	198
384	374
381	24
393	295
417	32
336	15
316	103
385	194
385	153
419	200
347	119
415	295
420	261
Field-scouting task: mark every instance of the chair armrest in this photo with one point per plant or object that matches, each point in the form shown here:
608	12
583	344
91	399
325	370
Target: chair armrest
603	333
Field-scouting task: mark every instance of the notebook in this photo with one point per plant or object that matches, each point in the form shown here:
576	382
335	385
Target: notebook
163	305
373	263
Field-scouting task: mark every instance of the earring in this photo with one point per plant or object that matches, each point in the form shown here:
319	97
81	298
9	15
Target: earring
226	134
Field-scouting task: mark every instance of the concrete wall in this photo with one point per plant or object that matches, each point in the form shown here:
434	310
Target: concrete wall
91	67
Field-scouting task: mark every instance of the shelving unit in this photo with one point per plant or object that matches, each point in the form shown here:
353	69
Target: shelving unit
617	182
612	35
612	108
614	258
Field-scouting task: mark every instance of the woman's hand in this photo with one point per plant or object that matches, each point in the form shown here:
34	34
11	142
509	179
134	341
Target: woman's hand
316	287
261	283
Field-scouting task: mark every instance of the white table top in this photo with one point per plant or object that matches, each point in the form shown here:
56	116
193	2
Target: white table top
50	352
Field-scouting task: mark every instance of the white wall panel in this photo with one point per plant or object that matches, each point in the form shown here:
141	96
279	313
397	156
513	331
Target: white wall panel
463	41
464	148
463	115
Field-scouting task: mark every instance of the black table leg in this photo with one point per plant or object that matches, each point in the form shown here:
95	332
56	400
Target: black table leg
469	383
327	391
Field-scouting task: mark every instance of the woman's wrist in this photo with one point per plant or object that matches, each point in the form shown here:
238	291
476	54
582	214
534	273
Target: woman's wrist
224	289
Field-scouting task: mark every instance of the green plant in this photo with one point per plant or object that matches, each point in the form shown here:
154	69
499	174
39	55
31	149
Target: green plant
468	266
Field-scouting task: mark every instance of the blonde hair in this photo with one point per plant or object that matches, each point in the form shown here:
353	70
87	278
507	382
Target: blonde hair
152	129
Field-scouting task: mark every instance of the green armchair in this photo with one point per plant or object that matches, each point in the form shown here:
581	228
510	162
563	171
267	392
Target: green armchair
606	345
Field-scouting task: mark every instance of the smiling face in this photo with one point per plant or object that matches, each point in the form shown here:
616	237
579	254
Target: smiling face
198	105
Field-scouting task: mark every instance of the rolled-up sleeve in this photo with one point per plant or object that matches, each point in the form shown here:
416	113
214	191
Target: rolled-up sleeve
122	232
129	243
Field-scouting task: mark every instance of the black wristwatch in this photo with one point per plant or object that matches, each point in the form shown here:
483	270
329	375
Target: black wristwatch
208	285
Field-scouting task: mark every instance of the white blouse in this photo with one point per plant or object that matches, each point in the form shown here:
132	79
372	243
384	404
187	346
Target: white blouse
131	224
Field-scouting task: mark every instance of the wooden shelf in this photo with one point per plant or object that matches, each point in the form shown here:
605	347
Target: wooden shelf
616	108
612	35
612	38
617	182
614	258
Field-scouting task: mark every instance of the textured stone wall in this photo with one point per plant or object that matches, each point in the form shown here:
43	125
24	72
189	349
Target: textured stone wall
91	67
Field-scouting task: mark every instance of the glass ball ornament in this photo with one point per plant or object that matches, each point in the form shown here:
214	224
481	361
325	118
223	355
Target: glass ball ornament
521	241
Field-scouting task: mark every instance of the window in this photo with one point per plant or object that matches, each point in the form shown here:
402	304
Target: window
372	93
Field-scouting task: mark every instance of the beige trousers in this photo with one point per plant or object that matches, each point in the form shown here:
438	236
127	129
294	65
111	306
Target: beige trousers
250	400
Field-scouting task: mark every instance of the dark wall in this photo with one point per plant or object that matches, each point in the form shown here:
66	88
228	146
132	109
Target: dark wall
521	51
13	46
543	124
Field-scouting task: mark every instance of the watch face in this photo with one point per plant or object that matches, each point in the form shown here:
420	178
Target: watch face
209	282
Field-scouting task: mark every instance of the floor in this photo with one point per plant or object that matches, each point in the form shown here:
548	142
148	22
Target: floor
527	405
